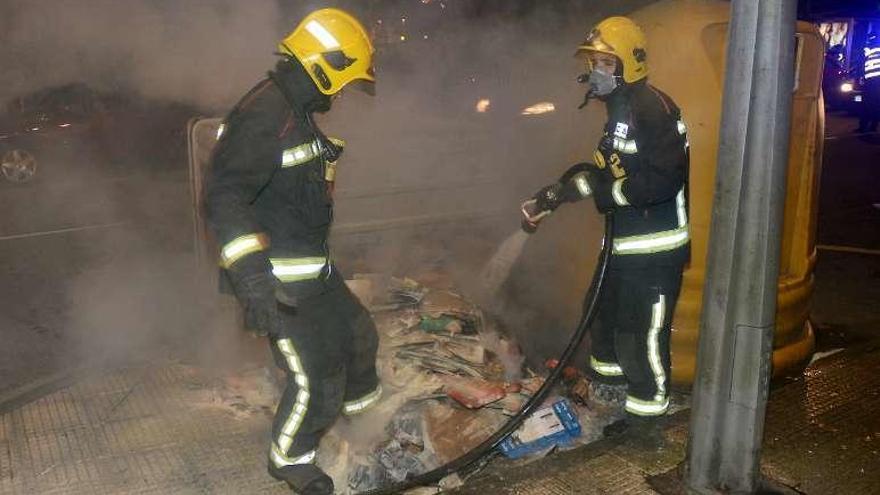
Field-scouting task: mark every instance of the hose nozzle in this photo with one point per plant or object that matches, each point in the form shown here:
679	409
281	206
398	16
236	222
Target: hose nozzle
531	217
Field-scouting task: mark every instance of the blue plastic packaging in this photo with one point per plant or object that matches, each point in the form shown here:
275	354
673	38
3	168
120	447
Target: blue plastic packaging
555	425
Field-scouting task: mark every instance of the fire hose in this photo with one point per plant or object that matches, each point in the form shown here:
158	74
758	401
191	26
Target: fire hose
488	446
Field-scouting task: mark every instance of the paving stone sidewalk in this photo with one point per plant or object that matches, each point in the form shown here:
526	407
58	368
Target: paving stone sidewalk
822	436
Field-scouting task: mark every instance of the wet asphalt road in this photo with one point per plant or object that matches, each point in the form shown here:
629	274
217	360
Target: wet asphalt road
69	251
845	305
84	262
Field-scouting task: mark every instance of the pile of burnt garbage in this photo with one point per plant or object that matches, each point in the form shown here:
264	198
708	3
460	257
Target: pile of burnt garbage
451	378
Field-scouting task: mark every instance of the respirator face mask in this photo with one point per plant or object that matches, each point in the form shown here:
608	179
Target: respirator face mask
600	83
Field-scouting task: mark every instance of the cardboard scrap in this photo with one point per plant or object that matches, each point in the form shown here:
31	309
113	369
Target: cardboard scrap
531	385
452	432
473	393
437	303
471	352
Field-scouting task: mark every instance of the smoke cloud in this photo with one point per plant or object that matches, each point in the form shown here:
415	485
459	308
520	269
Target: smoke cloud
202	52
419	148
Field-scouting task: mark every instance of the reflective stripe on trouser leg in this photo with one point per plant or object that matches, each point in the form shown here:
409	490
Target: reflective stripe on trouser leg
641	407
660	402
604	363
299	269
604	368
282	444
362	389
362	404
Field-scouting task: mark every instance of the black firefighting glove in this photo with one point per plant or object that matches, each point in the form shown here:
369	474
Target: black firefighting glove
254	287
548	198
542	204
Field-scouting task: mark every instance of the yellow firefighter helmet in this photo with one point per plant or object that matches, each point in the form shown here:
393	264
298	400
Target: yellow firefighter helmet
623	38
333	47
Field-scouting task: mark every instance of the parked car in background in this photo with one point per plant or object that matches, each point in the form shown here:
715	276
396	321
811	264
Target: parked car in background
74	131
840	86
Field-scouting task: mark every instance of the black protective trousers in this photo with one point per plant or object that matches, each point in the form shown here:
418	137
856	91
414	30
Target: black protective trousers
328	351
630	336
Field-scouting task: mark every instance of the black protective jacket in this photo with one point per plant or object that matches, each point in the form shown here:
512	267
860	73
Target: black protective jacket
268	198
641	175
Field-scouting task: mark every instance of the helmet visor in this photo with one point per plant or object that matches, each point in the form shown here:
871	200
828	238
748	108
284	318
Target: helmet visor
338	60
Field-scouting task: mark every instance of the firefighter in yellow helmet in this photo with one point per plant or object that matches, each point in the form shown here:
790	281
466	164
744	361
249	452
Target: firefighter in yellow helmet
269	203
638	174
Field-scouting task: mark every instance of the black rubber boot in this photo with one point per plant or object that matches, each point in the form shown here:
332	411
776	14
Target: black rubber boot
304	479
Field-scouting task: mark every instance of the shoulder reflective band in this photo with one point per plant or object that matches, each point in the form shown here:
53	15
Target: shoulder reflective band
646	407
583	186
298	155
282	444
242	246
658	241
298	269
221	130
626	146
617	192
362	404
605	369
305	152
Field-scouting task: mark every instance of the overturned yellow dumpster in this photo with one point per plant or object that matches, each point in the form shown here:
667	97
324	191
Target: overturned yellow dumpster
688	47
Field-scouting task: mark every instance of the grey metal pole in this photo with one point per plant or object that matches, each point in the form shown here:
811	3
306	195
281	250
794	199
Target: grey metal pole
739	297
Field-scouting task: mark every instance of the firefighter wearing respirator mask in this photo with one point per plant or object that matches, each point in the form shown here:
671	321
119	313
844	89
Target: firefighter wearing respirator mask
639	175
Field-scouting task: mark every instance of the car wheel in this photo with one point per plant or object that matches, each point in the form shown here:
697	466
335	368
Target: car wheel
18	165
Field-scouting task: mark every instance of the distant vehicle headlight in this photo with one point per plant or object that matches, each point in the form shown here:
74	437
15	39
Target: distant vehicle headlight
846	87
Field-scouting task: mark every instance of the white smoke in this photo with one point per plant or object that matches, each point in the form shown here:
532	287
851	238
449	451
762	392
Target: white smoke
191	51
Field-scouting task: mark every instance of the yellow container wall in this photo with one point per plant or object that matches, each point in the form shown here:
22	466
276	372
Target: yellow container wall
687	45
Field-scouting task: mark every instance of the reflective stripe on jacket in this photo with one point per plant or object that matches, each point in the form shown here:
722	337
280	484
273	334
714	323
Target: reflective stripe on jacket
644	154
